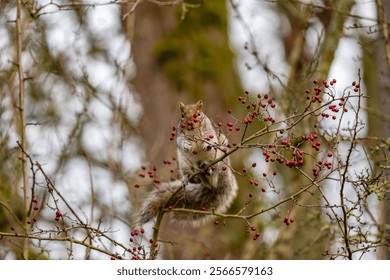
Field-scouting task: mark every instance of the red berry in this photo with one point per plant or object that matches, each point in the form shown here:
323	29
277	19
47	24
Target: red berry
253	228
254	164
229	111
157	181
113	258
229	124
58	213
216	222
137	185
36	207
34	199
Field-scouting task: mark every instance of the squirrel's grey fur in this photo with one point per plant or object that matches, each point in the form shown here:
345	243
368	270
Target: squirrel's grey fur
198	144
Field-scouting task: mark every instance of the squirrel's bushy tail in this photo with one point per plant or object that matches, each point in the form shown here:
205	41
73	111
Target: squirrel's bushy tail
195	196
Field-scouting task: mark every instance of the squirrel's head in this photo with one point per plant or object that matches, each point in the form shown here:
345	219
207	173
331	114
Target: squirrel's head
191	115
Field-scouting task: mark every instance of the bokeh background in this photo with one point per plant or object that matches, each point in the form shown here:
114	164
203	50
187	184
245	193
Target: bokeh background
102	81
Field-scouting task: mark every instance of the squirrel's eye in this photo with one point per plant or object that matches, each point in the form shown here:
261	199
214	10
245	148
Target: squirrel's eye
198	113
182	115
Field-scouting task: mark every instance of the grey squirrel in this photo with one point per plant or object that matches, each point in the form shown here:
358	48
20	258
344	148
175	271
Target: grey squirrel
198	144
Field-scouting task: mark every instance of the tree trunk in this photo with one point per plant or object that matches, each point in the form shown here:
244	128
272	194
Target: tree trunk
181	59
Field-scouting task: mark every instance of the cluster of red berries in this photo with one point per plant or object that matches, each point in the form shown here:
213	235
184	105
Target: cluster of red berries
169	162
266	99
253	182
136	232
356	86
318	90
322	164
267	102
173	133
316	144
35	201
58	215
287	220
257	233
286	143
297	159
151	174
334	109
264	103
136	249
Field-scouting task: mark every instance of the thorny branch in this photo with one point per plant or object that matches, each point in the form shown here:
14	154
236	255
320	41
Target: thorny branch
314	181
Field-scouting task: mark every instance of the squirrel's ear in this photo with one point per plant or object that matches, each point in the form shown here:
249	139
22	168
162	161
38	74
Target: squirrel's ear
199	104
181	105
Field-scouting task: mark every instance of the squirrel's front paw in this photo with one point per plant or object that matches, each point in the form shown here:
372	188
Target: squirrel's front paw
184	181
206	147
209	171
187	146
